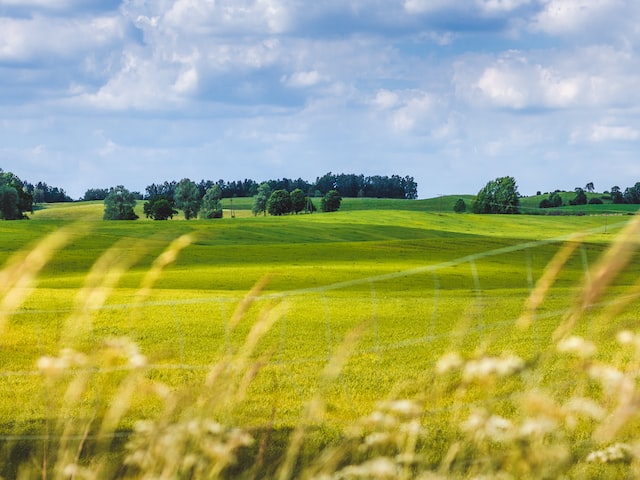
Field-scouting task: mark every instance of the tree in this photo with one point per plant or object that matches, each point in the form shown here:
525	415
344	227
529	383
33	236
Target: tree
95	194
9	203
460	206
498	196
160	207
261	198
589	187
555	200
119	204
298	200
188	198
211	205
331	201
632	194
14	200
616	195
580	198
279	203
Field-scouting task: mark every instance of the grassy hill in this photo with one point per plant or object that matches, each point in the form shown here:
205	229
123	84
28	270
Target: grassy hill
357	307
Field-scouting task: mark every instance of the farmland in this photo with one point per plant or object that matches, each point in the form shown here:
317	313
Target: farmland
413	282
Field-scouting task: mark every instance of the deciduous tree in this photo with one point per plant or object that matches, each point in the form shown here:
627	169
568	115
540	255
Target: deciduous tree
211	205
298	200
331	201
279	203
498	196
119	204
188	198
261	198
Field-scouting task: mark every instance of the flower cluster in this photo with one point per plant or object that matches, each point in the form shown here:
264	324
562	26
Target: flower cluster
619	452
68	358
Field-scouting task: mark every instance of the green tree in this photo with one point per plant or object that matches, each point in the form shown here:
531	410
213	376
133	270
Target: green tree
211	204
14	200
160	207
616	195
119	204
555	200
580	198
460	206
279	203
498	196
188	198
298	200
9	203
331	201
589	187
261	198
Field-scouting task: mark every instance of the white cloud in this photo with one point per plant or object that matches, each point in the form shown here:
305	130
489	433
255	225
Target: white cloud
303	79
565	17
501	6
603	133
584	78
385	99
425	6
42	37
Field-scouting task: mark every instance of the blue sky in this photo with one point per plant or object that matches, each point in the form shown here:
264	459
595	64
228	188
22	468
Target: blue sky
453	93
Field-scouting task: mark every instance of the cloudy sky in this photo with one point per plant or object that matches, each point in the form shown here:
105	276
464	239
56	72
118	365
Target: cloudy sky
452	92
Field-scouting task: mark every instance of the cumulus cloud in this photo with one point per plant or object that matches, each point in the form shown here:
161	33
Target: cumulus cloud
23	40
603	133
589	77
595	18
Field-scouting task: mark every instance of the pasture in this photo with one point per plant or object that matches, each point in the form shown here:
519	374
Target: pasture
385	289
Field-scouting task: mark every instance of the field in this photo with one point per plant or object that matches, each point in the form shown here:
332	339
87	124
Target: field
352	309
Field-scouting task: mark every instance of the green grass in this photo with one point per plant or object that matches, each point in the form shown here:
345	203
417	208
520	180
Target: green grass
422	282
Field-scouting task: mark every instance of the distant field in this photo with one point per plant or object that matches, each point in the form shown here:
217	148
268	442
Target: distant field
420	279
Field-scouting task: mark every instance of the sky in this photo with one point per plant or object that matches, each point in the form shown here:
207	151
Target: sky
454	93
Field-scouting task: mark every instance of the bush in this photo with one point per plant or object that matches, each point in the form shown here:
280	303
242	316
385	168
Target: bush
331	201
595	201
460	206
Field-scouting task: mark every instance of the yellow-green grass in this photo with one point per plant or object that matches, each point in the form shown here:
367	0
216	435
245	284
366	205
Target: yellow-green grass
421	283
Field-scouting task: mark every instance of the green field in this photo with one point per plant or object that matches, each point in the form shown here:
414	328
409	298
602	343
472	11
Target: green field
413	280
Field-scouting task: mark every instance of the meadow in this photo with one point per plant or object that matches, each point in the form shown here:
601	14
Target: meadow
298	330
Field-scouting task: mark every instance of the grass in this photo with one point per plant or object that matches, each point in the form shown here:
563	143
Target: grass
361	306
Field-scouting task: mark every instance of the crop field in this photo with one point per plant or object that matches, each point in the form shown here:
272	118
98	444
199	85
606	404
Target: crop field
308	323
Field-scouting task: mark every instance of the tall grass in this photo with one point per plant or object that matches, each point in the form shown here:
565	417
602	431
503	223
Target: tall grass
482	410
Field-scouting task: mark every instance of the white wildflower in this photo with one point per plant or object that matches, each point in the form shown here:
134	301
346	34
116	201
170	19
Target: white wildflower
403	408
377	438
619	452
482	426
537	427
585	407
449	362
577	346
381	467
626	337
610	377
485	367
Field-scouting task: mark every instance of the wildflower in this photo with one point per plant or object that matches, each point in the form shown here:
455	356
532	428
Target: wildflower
449	362
626	337
537	427
577	346
611	378
482	425
402	408
492	366
619	452
584	406
381	467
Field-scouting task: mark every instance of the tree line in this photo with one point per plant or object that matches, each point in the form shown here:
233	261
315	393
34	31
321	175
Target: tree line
349	185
